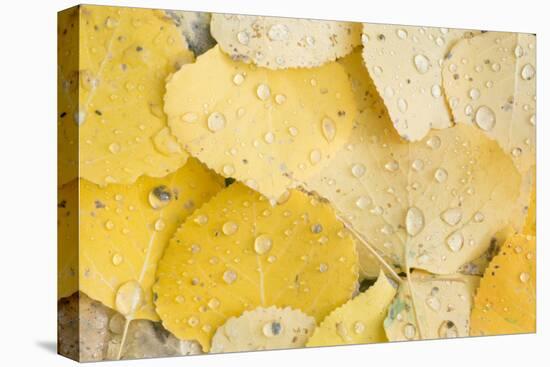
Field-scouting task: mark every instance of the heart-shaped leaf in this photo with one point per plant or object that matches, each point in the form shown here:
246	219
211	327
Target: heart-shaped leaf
268	129
238	252
434	204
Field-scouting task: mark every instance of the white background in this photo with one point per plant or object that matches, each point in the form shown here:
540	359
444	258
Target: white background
28	179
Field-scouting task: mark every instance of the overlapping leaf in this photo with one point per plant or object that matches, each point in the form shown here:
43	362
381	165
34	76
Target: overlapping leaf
489	82
434	204
279	43
505	302
405	63
268	129
124	229
431	307
125	56
360	320
238	252
264	328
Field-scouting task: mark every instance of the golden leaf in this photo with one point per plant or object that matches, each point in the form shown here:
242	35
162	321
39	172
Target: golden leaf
405	64
433	204
358	321
268	129
238	252
263	329
489	81
505	300
125	56
124	229
280	43
431	307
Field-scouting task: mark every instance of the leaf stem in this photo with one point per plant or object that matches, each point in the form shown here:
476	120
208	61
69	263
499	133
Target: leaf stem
123	340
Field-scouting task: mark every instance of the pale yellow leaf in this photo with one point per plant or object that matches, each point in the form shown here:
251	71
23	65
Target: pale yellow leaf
280	43
450	186
490	83
264	329
405	63
431	307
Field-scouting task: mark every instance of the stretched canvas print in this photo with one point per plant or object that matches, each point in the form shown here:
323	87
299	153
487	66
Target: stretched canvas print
232	183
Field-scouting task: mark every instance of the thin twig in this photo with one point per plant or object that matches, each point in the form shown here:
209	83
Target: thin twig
374	253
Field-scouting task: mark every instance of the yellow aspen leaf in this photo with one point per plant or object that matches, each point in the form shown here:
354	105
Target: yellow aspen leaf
67	239
505	302
264	329
431	307
405	63
124	229
125	56
433	204
489	81
280	43
360	320
238	252
268	129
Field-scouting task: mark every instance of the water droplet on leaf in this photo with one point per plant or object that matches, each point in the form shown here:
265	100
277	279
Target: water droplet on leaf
455	241
262	244
414	221
230	228
216	121
229	276
485	118
129	298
